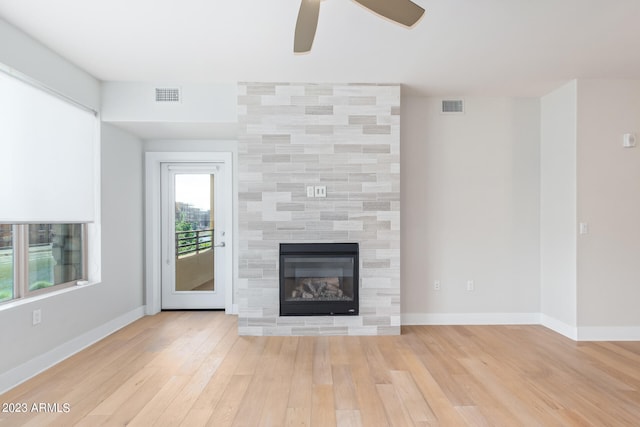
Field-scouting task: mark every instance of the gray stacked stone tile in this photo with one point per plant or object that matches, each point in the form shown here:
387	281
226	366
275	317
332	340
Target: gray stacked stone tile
343	136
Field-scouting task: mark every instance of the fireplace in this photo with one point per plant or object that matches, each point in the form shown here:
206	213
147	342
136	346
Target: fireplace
318	279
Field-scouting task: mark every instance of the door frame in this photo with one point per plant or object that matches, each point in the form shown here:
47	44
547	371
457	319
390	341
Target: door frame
170	297
153	223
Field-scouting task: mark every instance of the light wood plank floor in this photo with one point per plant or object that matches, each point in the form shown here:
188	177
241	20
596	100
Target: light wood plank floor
192	369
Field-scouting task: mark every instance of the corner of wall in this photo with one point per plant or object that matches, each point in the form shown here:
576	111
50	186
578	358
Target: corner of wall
32	367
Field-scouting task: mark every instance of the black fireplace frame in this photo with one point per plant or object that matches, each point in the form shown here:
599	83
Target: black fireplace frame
320	308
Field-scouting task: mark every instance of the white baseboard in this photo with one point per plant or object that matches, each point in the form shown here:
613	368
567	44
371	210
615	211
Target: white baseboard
591	333
471	319
609	333
33	367
559	327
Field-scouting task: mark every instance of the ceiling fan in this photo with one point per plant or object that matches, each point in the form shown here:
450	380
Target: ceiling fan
404	12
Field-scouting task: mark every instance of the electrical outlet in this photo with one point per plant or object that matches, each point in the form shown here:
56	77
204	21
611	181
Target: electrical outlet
321	191
310	191
470	286
37	317
436	285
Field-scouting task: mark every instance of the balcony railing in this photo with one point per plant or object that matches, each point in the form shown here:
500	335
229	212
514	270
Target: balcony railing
193	241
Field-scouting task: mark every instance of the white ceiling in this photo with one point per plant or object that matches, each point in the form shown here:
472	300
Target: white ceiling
460	47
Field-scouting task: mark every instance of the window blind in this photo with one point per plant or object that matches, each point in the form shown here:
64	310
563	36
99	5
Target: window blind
48	156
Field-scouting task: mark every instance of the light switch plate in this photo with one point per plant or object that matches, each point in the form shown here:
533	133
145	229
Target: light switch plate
310	191
629	140
37	317
584	228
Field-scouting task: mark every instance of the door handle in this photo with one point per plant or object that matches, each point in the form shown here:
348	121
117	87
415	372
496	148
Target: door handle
221	245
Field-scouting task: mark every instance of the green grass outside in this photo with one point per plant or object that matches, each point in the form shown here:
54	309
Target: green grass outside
6	278
40	273
40	270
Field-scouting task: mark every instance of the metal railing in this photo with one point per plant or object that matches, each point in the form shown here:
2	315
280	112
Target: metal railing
193	241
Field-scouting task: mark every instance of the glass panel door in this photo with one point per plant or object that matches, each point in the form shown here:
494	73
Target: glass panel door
195	228
193	236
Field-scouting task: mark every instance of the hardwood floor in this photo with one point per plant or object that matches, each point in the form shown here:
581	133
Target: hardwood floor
192	369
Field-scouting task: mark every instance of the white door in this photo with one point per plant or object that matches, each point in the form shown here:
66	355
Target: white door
195	229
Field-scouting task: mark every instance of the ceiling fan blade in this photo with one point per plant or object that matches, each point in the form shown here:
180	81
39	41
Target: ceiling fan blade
306	25
404	12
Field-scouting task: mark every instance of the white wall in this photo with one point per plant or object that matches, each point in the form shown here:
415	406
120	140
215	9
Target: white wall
74	318
205	110
21	52
558	209
470	197
191	145
122	219
589	281
200	103
609	200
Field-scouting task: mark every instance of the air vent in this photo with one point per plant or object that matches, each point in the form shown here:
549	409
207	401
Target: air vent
452	106
167	94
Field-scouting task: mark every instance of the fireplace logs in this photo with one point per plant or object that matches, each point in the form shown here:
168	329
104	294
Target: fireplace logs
319	288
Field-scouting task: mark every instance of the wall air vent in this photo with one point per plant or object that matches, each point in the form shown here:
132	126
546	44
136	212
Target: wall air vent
452	106
167	94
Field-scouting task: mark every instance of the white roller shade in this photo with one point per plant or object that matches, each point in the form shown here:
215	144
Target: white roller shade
48	156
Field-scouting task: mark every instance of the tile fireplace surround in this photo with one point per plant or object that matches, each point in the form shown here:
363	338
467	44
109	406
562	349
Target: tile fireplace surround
342	136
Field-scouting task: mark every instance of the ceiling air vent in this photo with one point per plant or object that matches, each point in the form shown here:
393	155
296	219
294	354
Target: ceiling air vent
452	106
167	94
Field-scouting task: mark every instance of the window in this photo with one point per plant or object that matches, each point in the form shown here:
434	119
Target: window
37	258
49	189
6	262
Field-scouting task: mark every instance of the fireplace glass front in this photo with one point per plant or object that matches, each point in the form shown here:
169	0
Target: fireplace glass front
318	279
